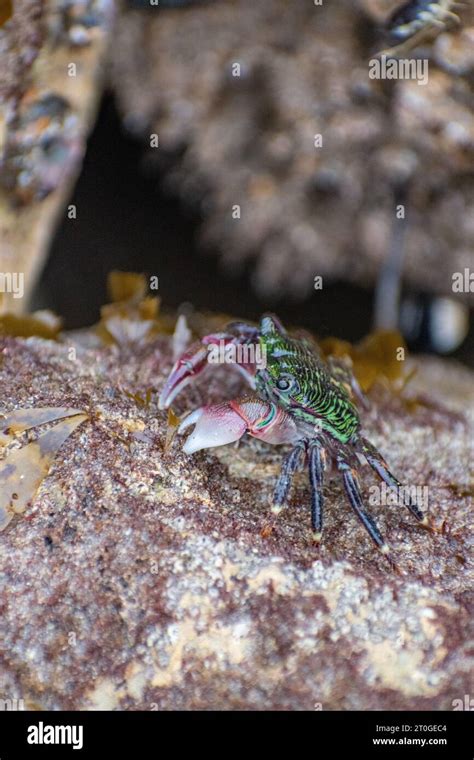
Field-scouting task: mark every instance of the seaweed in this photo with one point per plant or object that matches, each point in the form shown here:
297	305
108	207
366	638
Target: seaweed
23	469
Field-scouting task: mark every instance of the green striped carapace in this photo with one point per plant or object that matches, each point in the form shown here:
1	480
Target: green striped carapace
299	399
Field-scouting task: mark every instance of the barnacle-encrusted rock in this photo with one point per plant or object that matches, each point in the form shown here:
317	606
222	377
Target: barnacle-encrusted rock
50	81
141	579
247	137
249	140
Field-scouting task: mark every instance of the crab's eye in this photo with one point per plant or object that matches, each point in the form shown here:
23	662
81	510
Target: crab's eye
284	383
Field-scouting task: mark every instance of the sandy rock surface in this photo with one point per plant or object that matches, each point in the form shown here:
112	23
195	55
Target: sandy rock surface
143	580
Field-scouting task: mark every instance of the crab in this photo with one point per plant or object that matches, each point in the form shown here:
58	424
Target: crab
298	399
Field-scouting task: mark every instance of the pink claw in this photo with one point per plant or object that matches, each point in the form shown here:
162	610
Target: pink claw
214	426
185	369
195	360
224	423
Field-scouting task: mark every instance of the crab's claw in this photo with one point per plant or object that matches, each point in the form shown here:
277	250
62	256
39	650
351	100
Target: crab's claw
185	369
224	423
214	426
196	359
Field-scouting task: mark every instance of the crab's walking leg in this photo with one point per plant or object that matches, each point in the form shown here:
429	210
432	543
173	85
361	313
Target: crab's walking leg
341	370
289	467
317	461
351	484
379	465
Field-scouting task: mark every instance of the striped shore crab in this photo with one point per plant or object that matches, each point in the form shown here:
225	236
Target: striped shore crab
299	399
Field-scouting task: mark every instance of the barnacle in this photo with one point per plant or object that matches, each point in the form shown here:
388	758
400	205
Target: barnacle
78	22
43	143
23	469
181	336
132	317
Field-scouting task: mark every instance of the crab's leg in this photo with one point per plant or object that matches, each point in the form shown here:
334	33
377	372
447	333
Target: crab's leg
289	467
341	370
195	360
317	463
352	486
379	465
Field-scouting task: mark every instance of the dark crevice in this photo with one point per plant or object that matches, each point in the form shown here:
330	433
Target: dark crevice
126	221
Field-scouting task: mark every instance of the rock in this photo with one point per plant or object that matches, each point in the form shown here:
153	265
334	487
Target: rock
143	580
46	111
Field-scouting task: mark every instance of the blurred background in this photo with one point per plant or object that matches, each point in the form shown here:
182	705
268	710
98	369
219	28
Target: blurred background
236	96
128	222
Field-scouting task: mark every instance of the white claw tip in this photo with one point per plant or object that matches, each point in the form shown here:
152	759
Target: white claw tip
317	537
190	446
214	426
276	509
190	419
